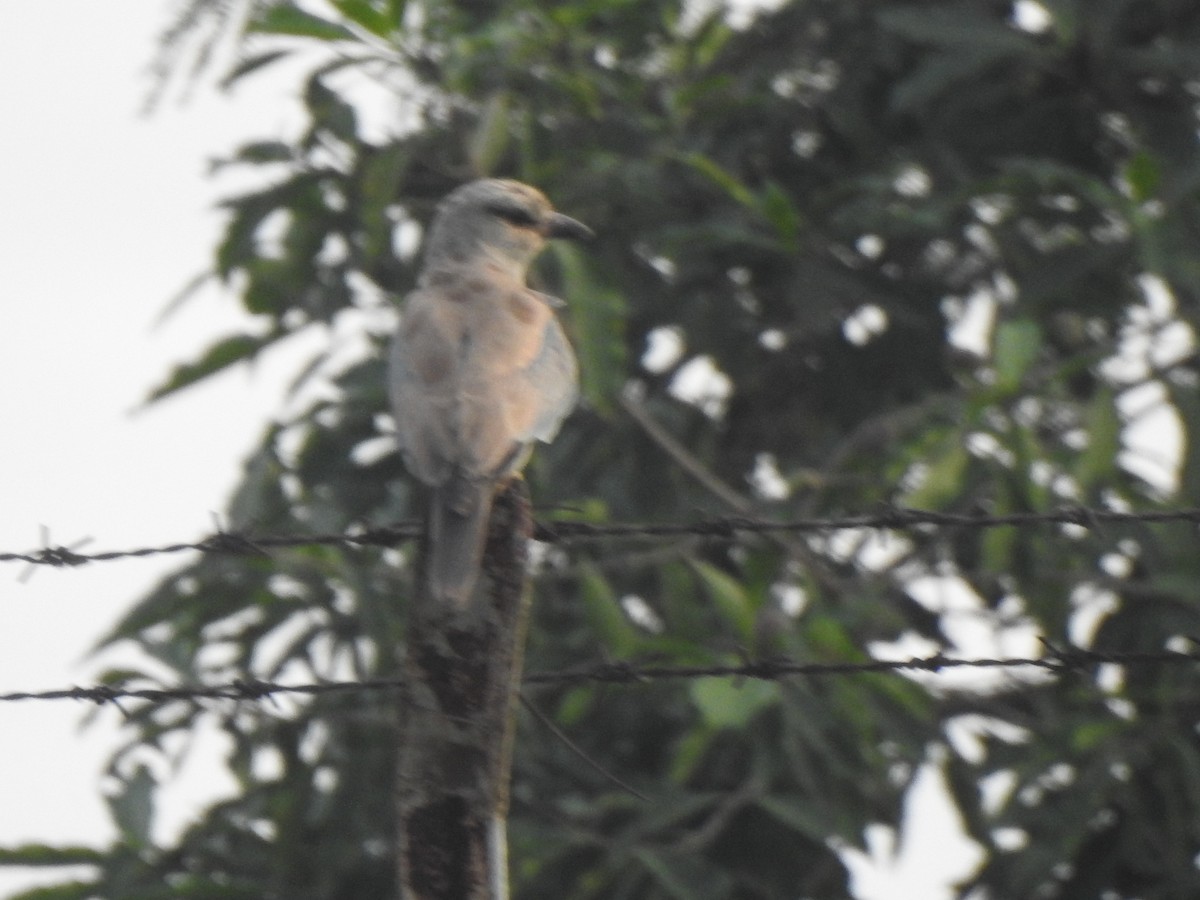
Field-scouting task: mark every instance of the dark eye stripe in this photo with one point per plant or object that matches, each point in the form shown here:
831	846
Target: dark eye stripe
514	214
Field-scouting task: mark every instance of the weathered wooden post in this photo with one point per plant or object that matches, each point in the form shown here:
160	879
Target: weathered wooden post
463	670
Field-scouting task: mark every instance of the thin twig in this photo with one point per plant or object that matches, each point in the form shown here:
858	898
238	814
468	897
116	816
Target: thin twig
577	750
683	457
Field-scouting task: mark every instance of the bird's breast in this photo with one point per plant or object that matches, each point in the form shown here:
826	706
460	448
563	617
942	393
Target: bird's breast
500	331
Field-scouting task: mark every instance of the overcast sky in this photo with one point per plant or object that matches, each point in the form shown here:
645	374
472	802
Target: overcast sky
104	214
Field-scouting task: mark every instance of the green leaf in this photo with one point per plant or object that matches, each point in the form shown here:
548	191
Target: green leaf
710	38
367	15
298	196
272	286
380	176
967	29
286	19
133	808
711	170
265	151
491	136
221	355
74	890
1015	347
252	64
690	752
780	209
597	319
1098	462
395	11
962	780
1184	398
729	597
942	481
259	496
575	705
1143	175
797	814
45	855
604	611
1064	19
829	638
1090	735
329	111
727	704
997	546
940	75
183	295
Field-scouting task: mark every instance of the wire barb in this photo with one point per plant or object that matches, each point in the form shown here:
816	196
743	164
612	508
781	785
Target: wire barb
567	531
1057	659
59	556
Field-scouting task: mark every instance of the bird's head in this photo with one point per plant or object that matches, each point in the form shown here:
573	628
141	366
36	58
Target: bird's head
505	222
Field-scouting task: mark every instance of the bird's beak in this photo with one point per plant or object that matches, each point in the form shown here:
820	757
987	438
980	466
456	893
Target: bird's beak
560	226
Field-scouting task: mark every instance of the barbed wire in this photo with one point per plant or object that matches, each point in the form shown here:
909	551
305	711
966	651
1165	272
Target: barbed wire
1056	660
236	543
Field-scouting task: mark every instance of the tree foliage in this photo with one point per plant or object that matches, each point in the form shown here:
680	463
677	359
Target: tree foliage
940	254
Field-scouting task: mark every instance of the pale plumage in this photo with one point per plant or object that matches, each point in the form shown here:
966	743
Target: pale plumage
480	368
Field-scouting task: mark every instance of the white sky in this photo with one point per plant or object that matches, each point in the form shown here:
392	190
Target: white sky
104	214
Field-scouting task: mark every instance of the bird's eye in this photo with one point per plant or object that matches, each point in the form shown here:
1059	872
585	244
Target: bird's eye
516	215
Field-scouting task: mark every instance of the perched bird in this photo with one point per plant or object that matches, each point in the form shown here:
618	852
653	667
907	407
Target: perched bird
480	367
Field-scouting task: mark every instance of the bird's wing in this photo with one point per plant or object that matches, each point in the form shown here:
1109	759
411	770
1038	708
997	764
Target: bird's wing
528	387
423	381
556	374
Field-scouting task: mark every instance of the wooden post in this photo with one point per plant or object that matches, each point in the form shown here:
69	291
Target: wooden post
463	671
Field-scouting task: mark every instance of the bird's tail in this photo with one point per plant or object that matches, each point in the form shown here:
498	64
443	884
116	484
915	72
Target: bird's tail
458	517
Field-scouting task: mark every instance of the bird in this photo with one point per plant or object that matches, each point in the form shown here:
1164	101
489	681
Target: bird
479	368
